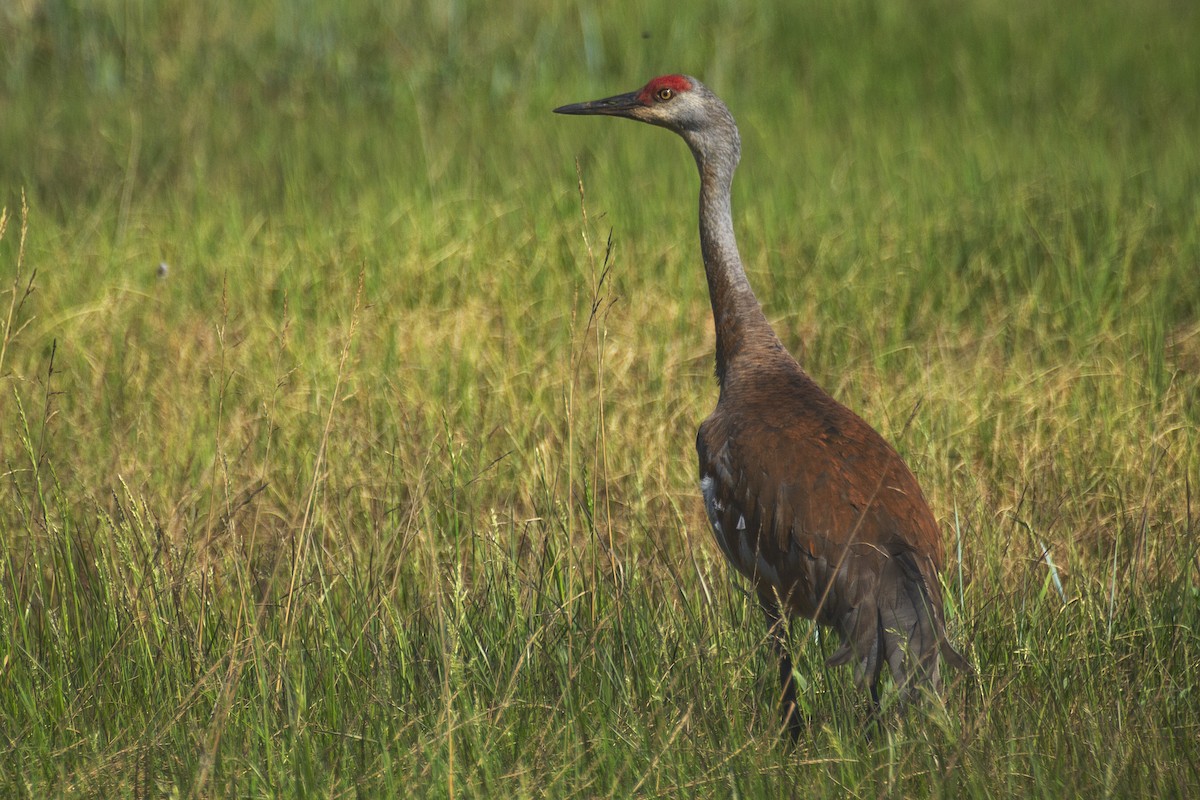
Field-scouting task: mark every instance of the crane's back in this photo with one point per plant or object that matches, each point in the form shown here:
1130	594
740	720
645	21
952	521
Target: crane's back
814	506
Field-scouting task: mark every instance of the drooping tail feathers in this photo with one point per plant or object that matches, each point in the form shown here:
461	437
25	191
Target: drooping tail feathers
904	630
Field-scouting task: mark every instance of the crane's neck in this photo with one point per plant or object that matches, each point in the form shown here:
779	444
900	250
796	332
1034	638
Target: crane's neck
741	327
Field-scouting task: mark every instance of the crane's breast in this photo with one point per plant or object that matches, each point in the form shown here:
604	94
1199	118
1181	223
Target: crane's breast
783	529
799	575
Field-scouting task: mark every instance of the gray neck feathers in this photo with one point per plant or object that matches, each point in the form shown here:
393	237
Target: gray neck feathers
738	319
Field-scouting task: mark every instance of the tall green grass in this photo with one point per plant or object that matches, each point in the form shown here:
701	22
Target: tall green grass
384	484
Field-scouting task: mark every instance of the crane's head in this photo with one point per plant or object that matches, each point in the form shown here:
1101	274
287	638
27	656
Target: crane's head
679	103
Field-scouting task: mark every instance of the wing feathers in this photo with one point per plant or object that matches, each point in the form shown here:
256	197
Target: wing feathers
829	519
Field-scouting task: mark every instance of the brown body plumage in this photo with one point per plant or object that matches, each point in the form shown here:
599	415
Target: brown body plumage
805	499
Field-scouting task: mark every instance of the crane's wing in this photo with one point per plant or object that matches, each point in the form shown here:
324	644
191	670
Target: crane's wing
808	501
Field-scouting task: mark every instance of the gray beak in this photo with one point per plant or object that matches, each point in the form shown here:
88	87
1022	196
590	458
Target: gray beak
621	105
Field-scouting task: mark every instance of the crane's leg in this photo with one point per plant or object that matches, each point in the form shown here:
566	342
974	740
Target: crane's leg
875	716
777	629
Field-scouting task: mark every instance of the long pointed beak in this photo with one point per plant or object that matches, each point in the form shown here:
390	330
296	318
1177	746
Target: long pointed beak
621	105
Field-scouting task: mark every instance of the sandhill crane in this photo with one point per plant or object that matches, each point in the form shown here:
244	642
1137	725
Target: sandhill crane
805	499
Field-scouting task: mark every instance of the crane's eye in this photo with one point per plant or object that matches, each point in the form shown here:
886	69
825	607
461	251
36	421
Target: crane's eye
664	94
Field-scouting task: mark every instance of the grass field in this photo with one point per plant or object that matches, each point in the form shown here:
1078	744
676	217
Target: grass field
385	484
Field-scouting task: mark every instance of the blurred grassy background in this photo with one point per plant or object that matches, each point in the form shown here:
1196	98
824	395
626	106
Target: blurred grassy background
387	484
